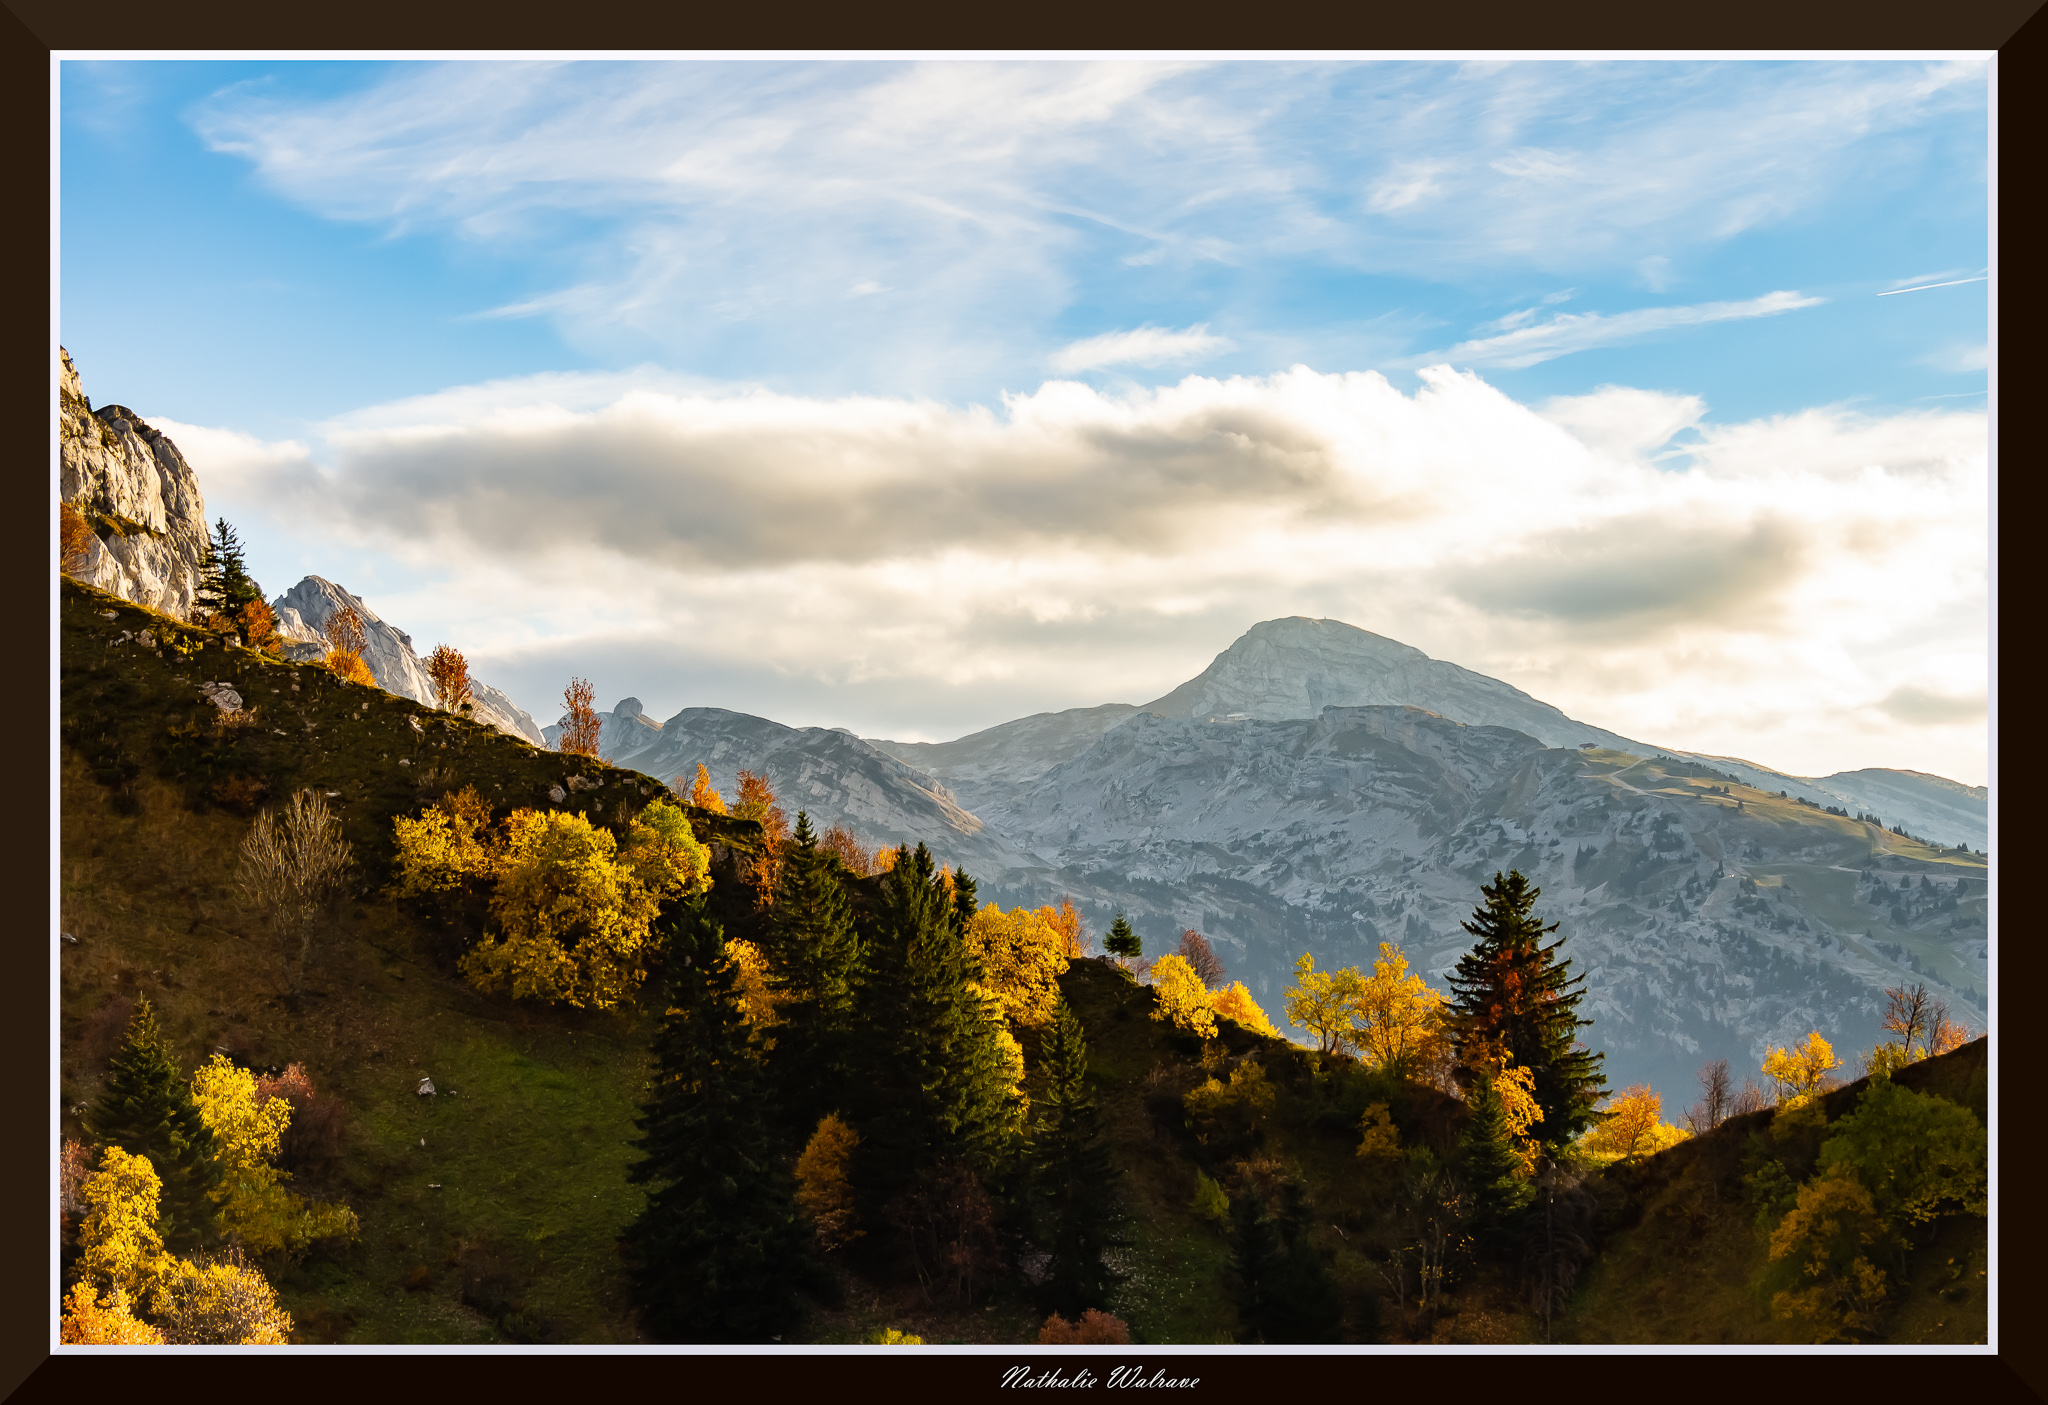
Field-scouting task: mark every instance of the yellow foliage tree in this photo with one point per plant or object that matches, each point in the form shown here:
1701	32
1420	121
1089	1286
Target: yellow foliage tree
704	795
222	1303
1066	921
348	666
573	905
75	540
1234	1002
92	1320
1379	1139
1396	1018
447	845
1183	999
1825	1236
1633	1127
824	1186
1325	1003
256	1209
755	979
119	1247
1801	1070
1022	957
1229	1114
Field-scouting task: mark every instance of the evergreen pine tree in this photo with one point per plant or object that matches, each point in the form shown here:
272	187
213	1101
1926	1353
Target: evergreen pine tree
1488	1154
1303	1304
1513	994
931	1080
816	955
1071	1172
224	584
1122	941
1255	1261
146	1109
719	1251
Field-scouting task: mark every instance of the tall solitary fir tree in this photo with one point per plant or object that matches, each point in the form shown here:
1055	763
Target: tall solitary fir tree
931	1080
1512	994
1122	941
224	585
719	1251
1071	1173
146	1109
816	955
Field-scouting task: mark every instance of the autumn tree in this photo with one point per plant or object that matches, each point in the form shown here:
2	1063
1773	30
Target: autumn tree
1396	1018
222	1301
1633	1127
1183	1001
717	1253
1905	1014
75	540
581	727
1920	1156
1325	1003
823	1186
840	842
95	1319
255	1208
1943	1034
293	865
1234	1002
574	907
1091	1328
1229	1116
1826	1242
343	630
1071	1173
1065	919
448	670
756	801
120	1249
704	795
933	1078
146	1108
1194	949
1022	956
1511	994
446	847
1122	941
1800	1070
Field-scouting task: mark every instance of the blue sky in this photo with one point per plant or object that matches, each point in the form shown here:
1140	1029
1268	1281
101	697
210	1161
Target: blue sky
306	265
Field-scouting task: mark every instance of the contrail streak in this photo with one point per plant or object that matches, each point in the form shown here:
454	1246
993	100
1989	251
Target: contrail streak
1924	286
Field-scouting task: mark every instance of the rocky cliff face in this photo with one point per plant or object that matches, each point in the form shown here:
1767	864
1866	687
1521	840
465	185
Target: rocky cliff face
139	495
303	612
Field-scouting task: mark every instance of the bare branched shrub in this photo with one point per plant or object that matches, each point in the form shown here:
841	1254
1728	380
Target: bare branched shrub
1716	1098
344	631
1195	950
946	1226
293	865
839	840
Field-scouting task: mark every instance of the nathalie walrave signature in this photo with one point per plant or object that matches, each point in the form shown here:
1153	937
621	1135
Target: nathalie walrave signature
1119	1377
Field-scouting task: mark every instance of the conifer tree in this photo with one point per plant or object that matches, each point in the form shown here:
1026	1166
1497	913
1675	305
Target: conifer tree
1512	994
1255	1260
1072	1173
816	956
719	1251
932	1079
1122	941
1487	1150
224	585
1303	1303
146	1109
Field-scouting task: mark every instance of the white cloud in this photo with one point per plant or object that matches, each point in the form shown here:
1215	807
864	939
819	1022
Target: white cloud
1147	346
1959	358
909	568
1580	331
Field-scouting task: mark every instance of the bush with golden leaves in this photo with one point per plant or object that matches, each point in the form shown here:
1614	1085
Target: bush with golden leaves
824	1183
93	1319
1632	1128
1022	957
256	1210
1183	1001
1094	1328
1234	1002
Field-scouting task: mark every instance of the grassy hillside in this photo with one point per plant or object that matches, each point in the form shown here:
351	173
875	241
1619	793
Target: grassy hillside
490	1211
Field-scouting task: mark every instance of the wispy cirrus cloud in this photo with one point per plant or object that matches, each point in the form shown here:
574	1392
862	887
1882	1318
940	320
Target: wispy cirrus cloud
1528	344
1146	346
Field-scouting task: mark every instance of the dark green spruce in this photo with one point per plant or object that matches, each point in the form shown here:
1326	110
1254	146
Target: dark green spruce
1512	993
224	583
1122	941
817	956
1487	1154
719	1251
1071	1173
146	1109
931	1082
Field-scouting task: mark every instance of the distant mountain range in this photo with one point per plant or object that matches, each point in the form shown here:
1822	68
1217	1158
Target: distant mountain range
1321	788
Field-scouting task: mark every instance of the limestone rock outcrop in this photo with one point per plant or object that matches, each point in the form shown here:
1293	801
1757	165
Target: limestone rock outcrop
138	494
303	612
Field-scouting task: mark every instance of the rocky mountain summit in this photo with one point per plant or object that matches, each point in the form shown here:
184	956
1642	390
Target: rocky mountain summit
303	612
137	493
